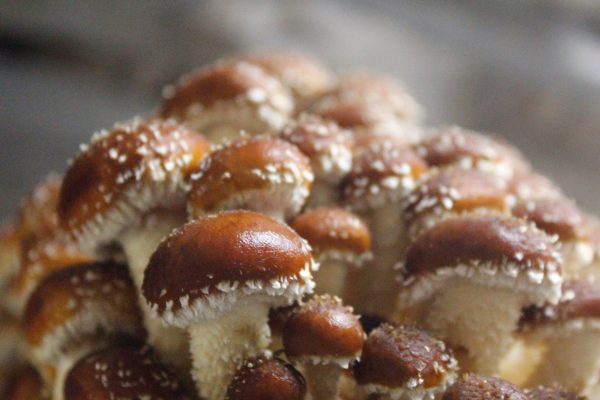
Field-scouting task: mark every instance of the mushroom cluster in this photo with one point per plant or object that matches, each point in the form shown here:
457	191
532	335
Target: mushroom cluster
274	231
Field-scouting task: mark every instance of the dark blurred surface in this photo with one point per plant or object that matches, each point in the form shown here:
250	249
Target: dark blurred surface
528	70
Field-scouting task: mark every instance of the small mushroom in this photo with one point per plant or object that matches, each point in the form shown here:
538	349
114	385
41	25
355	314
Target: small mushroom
224	100
340	241
468	149
265	378
77	310
552	393
262	174
218	277
325	337
329	149
123	371
470	276
481	387
570	333
404	363
25	384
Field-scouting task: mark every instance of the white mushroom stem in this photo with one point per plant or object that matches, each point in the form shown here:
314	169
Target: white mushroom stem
65	362
477	318
219	346
170	343
322	380
331	277
578	255
572	359
322	194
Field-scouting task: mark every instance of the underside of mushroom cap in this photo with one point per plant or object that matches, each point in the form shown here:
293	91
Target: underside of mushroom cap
202	269
125	173
480	387
490	250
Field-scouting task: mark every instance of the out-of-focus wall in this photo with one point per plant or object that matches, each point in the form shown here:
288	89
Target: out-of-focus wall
529	70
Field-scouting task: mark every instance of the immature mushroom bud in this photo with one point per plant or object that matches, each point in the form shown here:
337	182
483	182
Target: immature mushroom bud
128	187
325	337
380	178
404	362
472	275
223	100
304	76
218	277
262	174
552	393
559	216
76	310
263	378
467	149
329	149
480	387
371	104
25	384
453	191
340	241
123	371
570	331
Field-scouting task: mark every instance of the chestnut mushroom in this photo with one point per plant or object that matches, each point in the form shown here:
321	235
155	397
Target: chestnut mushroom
481	387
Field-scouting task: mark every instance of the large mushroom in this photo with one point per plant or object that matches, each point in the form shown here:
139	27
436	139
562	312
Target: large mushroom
123	371
329	149
481	387
225	100
266	378
128	188
325	337
468	278
218	277
404	363
262	174
77	310
340	240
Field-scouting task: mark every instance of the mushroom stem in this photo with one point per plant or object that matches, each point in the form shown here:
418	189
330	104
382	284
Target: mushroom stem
218	347
572	360
64	364
476	318
322	193
322	380
331	277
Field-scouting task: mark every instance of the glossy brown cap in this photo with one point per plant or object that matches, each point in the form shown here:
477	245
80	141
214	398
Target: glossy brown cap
397	357
323	330
264	378
480	387
531	185
123	371
328	146
37	213
261	173
124	173
380	175
556	216
331	230
87	298
553	393
25	384
225	257
456	191
453	145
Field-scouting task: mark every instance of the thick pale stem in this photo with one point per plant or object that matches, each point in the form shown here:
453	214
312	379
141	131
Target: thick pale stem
170	343
322	380
66	361
521	362
331	277
478	319
218	347
572	360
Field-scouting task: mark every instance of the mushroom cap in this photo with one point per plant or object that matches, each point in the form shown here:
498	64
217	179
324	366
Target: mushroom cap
263	378
124	173
480	387
227	89
202	269
328	146
455	191
454	145
123	371
261	173
334	233
77	302
305	76
490	250
381	175
532	185
556	216
403	358
25	384
323	331
553	393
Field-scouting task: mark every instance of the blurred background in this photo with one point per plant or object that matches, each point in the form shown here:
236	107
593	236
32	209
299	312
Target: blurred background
528	70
